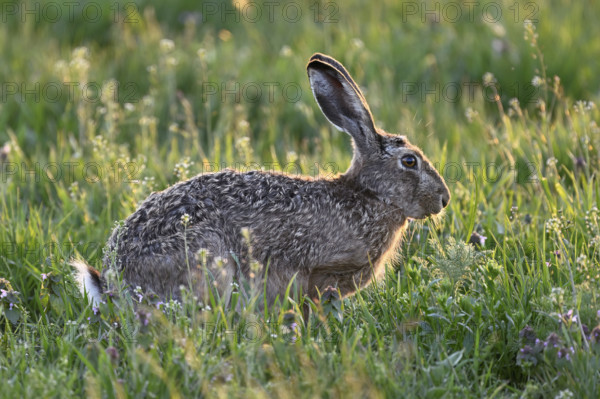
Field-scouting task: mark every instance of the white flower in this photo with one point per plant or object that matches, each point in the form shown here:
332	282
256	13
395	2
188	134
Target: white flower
166	45
471	114
285	51
537	81
488	78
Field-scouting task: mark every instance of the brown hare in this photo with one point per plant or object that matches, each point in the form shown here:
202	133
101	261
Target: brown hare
321	232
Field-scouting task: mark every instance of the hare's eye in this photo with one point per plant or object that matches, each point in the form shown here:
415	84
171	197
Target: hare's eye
409	161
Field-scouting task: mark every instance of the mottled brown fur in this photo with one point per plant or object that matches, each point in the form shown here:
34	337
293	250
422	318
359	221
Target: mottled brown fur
337	231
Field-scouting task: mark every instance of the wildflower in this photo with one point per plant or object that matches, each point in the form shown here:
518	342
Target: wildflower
285	51
563	353
143	317
583	106
471	114
568	317
530	33
595	335
166	45
537	81
182	167
185	219
488	79
171	61
95	310
357	43
528	24
527	334
44	276
477	239
586	330
565	394
225	35
552	341
554	225
527	356
4	293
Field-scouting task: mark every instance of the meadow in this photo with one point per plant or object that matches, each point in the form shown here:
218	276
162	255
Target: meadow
103	102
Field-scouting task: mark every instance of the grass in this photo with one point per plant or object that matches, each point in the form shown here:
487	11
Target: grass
150	94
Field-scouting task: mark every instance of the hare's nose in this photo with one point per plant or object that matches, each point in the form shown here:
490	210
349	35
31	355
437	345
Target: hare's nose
445	199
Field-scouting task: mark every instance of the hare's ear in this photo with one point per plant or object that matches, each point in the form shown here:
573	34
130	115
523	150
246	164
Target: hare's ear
342	102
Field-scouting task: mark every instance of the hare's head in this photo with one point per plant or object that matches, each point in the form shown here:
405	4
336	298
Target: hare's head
388	165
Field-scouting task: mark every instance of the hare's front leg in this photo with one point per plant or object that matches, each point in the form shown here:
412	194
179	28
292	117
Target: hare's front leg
346	279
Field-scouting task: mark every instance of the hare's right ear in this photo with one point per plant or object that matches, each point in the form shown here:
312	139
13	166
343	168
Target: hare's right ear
342	102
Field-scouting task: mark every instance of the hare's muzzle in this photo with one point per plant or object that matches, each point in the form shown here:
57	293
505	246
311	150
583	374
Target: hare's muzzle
445	199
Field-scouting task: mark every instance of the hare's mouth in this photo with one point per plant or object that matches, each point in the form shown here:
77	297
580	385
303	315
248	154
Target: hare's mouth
431	213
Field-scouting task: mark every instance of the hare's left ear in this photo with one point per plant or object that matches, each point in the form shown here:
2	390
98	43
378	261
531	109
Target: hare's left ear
342	102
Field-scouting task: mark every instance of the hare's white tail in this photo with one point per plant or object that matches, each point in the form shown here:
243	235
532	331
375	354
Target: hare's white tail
89	280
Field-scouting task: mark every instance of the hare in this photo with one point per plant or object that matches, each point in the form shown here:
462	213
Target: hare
321	232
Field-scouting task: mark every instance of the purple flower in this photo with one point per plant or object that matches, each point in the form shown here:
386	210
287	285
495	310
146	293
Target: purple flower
11	306
568	317
4	293
527	335
595	335
557	253
477	239
158	304
95	310
552	340
44	276
562	352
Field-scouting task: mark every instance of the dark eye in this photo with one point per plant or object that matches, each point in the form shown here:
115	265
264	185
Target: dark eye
409	161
